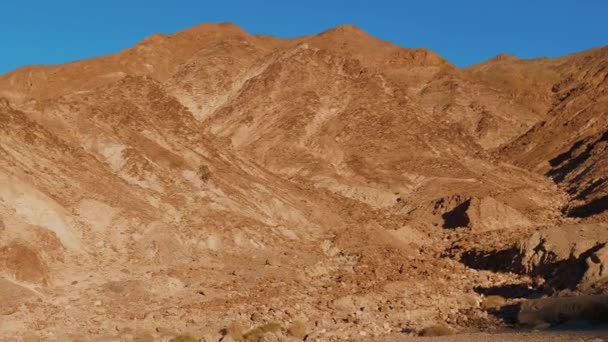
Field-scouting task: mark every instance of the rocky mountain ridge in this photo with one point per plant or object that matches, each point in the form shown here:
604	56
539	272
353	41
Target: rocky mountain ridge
337	182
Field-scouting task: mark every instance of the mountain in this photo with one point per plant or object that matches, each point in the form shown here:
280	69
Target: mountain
336	184
568	144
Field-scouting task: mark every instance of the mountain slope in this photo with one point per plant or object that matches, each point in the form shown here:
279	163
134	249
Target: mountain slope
212	178
568	144
156	56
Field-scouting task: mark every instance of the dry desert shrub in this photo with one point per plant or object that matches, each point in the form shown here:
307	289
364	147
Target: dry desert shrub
437	330
237	332
183	338
204	173
297	330
256	334
491	302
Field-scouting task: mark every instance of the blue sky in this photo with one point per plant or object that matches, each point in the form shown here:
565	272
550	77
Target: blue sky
465	32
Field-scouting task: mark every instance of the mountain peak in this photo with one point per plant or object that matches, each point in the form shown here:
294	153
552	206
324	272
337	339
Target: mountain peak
504	57
345	29
224	27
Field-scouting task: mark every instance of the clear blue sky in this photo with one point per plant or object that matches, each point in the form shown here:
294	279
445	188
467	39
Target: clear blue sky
465	32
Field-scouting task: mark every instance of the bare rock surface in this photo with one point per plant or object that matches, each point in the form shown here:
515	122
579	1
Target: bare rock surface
221	185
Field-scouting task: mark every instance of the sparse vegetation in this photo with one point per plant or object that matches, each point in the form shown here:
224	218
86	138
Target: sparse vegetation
204	173
256	334
183	338
437	330
237	331
491	302
297	329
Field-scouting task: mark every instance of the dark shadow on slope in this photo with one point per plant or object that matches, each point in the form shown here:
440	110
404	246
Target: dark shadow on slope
508	313
569	162
457	217
562	310
595	185
592	208
561	275
568	274
559	174
509	291
507	260
560	313
581	175
566	155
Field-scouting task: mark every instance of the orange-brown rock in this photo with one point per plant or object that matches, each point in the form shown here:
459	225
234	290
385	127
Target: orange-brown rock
336	182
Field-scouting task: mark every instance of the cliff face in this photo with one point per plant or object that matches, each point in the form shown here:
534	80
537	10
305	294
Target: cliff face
212	176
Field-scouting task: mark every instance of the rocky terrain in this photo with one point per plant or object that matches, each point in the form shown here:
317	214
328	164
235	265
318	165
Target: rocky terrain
233	187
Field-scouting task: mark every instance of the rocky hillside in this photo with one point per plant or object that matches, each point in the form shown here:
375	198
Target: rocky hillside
568	144
210	182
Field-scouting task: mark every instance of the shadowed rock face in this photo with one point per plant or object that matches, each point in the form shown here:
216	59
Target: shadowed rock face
212	177
569	258
457	217
592	309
